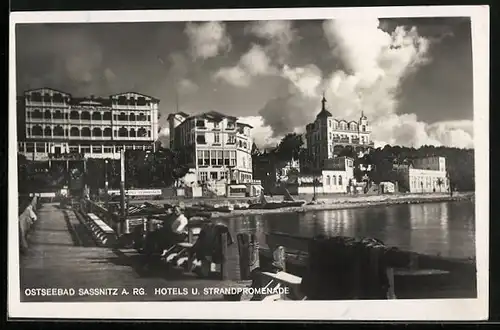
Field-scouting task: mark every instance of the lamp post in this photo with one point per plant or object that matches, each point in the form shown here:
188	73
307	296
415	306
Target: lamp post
106	187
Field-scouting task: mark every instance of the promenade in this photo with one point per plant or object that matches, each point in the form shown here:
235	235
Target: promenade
63	255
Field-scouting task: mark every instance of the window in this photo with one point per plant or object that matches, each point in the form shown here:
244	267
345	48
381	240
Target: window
199	155
200	138
96	116
47	98
85	148
226	158
47	131
132	133
141	101
85	131
131	117
122	132
97	132
216	125
122	116
340	180
230	125
231	139
36	97
216	138
57	115
334	180
219	158
200	123
149	117
108	150
85	115
58	131
233	158
141	117
48	114
203	176
131	101
73	149
213	158
122	100
327	180
107	131
206	158
97	149
363	128
141	132
74	115
106	115
30	147
20	147
36	114
57	98
214	176
40	147
37	131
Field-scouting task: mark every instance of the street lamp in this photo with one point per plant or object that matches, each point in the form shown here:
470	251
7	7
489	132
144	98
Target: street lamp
106	187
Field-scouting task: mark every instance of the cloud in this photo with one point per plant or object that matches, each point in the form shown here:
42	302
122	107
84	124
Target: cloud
372	65
262	134
253	63
186	86
207	39
233	75
278	34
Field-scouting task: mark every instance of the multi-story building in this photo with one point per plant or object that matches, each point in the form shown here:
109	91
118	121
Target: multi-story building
327	136
217	147
52	124
427	174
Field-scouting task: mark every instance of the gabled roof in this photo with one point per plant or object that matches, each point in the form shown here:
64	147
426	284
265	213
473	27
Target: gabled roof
135	94
244	124
45	89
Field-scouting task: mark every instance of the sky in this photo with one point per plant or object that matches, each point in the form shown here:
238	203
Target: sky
412	77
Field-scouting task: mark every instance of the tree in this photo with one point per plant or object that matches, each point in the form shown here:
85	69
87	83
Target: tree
289	147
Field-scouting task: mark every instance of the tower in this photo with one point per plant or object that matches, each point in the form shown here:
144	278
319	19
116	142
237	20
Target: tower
363	123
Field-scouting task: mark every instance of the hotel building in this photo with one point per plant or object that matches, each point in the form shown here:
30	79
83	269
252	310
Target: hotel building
327	136
423	175
53	124
217	147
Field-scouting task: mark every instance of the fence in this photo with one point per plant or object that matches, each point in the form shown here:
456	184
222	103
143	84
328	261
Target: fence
26	220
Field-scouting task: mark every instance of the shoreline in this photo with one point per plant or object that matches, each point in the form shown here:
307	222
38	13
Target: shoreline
351	203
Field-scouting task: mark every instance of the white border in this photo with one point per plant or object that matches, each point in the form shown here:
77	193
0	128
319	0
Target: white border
404	310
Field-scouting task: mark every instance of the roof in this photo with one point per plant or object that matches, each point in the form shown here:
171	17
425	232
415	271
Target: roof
183	114
244	124
134	93
324	113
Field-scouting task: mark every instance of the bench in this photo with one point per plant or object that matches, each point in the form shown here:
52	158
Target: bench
103	233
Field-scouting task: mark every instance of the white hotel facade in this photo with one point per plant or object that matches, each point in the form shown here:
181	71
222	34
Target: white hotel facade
327	136
53	124
218	146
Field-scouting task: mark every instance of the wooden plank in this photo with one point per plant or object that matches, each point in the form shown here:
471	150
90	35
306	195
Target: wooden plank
284	278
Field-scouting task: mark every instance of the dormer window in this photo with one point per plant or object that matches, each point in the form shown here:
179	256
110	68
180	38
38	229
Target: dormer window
200	123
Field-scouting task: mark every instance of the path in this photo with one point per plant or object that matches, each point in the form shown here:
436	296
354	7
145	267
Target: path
62	254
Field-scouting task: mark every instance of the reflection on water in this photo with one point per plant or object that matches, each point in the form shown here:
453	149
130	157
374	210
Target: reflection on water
446	229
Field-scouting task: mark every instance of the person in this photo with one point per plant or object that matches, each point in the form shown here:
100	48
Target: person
174	231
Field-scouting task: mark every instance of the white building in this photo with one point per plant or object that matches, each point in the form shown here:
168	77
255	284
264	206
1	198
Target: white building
337	175
217	147
327	136
426	174
52	124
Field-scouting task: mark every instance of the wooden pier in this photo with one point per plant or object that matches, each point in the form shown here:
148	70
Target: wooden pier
81	246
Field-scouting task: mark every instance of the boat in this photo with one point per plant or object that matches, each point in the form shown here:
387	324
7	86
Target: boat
288	201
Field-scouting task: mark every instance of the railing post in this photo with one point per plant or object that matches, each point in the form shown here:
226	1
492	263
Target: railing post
279	258
224	270
248	248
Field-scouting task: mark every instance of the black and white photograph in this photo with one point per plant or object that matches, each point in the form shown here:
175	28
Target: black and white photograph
330	162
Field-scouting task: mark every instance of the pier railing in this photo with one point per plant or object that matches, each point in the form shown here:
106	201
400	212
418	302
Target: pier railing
26	220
